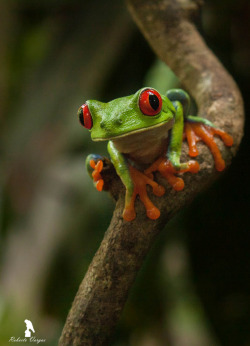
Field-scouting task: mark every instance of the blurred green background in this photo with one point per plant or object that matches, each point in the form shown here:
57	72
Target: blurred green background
194	287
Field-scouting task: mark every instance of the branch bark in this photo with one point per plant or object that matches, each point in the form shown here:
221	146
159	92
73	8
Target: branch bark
167	26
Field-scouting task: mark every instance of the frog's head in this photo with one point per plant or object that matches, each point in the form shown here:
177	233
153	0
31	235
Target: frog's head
126	115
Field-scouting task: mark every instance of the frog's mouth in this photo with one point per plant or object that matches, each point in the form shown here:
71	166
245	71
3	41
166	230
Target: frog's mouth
164	125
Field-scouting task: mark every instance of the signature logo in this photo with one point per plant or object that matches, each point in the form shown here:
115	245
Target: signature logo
28	337
29	328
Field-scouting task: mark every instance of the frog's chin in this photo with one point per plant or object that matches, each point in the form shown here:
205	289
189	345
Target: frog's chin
168	124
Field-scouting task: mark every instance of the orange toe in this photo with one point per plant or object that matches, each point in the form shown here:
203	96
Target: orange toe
140	182
153	213
199	132
129	214
99	184
96	174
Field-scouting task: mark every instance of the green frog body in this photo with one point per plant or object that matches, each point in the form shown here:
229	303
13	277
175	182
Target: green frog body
145	133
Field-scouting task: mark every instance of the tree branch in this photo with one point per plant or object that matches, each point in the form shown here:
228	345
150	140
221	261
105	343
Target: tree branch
102	294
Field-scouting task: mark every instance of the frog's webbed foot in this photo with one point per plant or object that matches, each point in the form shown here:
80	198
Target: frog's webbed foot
94	164
195	132
167	170
140	182
96	174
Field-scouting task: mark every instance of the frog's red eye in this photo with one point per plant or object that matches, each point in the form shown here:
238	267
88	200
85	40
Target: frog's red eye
150	102
85	117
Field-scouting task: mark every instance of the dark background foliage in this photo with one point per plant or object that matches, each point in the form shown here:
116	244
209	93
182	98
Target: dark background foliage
194	286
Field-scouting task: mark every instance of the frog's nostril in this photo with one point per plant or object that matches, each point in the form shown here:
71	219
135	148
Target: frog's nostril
85	117
102	124
118	121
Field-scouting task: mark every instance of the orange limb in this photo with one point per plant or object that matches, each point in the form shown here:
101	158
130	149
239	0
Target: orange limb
196	132
192	139
96	174
140	182
164	166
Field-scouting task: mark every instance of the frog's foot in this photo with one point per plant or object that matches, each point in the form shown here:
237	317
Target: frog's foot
96	174
94	164
196	132
140	182
167	170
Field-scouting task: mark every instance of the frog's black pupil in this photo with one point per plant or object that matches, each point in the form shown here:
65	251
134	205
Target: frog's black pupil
81	117
154	101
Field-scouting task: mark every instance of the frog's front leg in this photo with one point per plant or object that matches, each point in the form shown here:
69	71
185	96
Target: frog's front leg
135	183
176	138
196	129
200	129
170	166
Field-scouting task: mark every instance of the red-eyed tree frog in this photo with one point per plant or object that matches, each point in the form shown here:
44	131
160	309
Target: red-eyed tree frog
145	132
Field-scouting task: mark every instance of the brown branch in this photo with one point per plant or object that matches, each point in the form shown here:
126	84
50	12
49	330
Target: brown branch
103	292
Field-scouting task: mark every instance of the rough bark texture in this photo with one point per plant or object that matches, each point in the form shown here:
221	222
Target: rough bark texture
102	294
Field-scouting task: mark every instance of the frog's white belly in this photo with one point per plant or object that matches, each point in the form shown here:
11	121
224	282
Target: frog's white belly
144	147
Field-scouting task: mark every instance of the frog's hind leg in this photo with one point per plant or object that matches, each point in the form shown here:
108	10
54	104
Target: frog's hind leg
199	129
94	166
